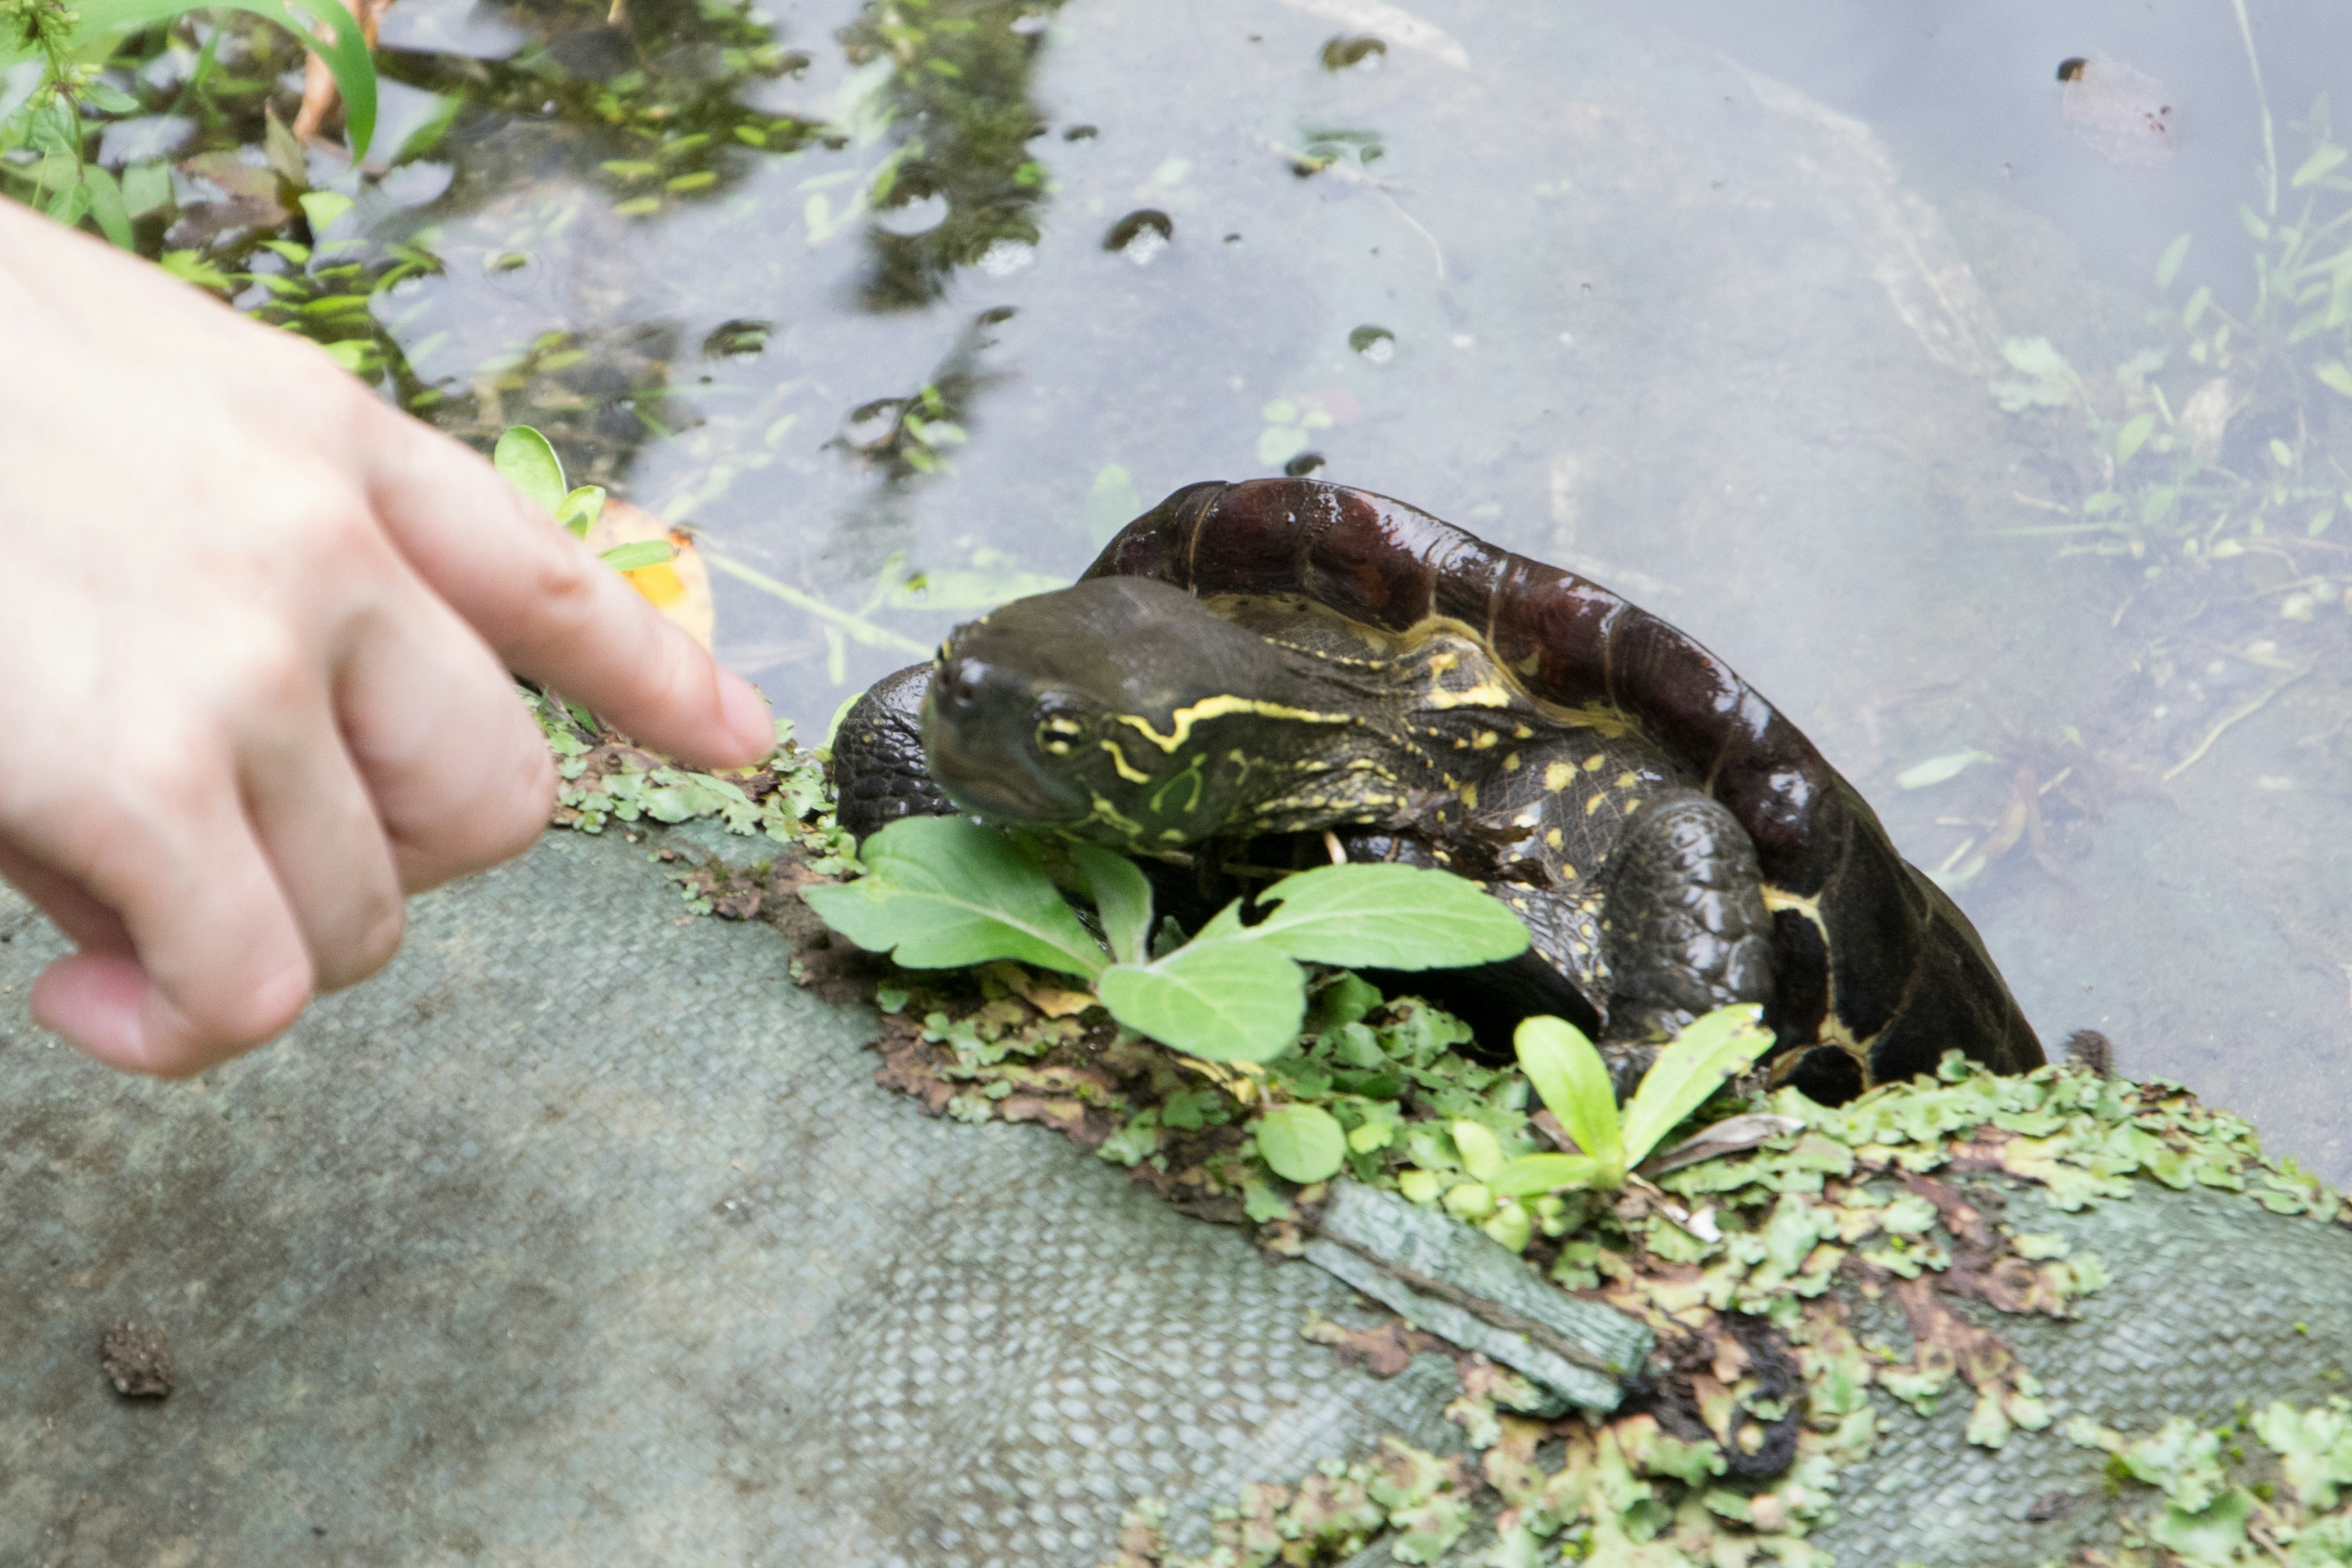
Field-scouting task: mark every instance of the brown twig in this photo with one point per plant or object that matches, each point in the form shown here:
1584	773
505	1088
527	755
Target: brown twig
2247	711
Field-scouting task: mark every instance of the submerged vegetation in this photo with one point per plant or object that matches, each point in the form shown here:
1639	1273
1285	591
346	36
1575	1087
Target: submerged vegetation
2230	438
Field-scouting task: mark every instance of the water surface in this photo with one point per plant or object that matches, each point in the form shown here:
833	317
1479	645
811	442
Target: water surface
1824	330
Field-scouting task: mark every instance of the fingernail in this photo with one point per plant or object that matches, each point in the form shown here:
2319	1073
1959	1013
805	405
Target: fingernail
747	713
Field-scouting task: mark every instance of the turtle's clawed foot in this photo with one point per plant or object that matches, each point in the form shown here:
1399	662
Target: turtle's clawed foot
1628	1062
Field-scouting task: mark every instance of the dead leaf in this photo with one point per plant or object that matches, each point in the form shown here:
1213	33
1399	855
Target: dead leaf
680	589
2122	113
2207	414
1729	1136
1384	1350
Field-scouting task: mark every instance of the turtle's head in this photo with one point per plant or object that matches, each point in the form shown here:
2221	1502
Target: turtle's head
1080	711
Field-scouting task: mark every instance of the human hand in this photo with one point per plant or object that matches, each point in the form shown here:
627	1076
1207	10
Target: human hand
255	634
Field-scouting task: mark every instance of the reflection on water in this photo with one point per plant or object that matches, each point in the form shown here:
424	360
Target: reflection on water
1853	340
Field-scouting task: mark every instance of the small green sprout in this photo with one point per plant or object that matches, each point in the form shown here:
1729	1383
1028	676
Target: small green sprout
530	464
1573	1081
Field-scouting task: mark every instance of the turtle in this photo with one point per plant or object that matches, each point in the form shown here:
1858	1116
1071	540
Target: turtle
1257	667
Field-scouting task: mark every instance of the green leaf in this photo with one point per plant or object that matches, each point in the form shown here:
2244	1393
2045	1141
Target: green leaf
351	353
529	465
1223	1001
1532	1175
145	187
1302	1142
1121	897
643	552
1382	916
106	205
322	208
1725	1042
2214	1534
1573	1083
2167	266
579	509
2333	373
2195	306
944	892
2325	158
1481	1150
1935	770
190	267
1277	444
345	53
2133	437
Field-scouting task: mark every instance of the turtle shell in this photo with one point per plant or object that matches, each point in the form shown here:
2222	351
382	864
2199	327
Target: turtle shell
1872	962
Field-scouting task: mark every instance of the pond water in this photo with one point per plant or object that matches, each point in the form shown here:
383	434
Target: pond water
1850	338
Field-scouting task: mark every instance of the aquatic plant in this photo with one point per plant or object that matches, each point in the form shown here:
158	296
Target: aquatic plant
49	124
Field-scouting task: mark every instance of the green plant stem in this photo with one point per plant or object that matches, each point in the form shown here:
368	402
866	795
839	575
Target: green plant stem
857	628
2262	101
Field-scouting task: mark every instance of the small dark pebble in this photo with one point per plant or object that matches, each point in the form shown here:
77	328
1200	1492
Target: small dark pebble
2093	1051
2050	1506
136	1361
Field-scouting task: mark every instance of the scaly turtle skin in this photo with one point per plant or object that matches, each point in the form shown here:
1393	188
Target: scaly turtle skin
1250	662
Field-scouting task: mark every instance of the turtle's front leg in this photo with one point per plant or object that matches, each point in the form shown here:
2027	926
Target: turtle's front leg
1682	927
878	769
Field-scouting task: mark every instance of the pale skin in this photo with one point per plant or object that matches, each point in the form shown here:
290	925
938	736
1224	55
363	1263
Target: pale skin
256	630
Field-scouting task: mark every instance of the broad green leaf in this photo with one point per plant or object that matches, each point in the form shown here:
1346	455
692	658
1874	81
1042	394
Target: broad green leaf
1224	1001
529	465
1702	1056
2321	161
2133	437
1481	1150
1573	1083
1384	917
1532	1175
1302	1142
2167	266
940	892
1121	897
2333	373
1935	770
636	556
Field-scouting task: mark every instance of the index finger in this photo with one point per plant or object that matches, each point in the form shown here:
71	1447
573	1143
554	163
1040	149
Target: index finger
550	609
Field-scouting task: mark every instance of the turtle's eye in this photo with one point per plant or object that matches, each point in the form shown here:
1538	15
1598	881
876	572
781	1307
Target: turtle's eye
1058	730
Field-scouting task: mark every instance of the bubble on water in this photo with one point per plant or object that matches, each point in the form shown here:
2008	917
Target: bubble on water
1004	258
1142	235
919	215
1376	344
